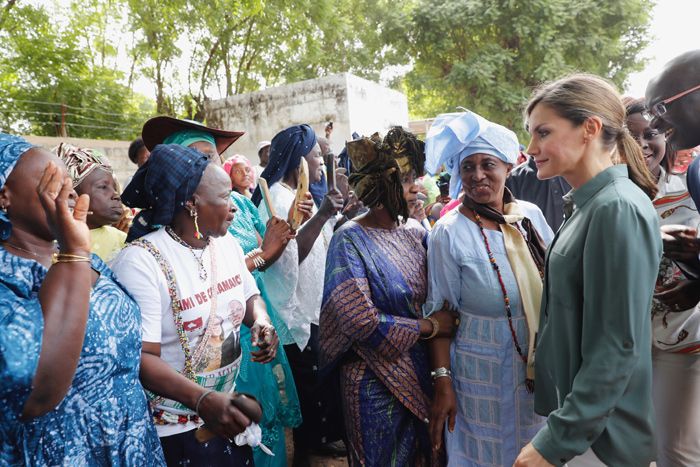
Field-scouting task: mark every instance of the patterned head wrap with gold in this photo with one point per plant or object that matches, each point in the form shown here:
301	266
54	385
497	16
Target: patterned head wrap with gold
378	167
81	162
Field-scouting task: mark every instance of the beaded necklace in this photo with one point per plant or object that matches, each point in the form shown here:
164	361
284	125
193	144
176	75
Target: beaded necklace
191	360
199	259
506	299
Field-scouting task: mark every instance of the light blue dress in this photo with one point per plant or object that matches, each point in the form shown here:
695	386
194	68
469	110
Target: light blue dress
104	419
495	416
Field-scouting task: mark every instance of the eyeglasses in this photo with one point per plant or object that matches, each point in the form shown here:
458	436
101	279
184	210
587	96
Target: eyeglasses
658	109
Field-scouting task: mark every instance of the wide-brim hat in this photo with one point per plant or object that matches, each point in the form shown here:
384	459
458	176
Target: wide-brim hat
157	129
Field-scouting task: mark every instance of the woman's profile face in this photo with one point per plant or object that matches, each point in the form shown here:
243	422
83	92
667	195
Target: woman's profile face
410	189
215	209
556	145
484	179
315	163
652	142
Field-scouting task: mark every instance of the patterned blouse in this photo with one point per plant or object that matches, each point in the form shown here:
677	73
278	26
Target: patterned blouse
103	420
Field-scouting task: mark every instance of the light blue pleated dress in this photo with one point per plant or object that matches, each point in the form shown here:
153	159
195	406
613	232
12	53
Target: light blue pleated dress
495	416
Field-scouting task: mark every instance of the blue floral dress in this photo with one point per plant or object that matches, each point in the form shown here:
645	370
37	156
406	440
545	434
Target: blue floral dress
272	383
104	419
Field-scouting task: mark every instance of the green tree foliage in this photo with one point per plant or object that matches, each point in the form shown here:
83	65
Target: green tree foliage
156	26
244	45
488	55
52	71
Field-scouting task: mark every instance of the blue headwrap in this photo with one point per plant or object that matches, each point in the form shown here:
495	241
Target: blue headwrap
287	149
456	136
162	185
11	148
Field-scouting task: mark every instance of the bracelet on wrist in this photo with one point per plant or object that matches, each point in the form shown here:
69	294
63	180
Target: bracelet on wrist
436	328
200	399
256	256
441	372
69	258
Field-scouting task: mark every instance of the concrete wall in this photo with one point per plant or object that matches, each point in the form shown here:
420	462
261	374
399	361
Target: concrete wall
116	151
351	103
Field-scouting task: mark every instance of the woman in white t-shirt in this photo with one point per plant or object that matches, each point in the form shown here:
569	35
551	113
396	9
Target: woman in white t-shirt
189	276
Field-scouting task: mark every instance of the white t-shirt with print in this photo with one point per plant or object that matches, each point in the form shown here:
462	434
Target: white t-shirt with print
139	272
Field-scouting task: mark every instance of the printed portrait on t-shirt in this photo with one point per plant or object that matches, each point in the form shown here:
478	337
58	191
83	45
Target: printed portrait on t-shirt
212	358
231	348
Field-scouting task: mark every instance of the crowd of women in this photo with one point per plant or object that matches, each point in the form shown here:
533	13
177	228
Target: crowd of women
421	320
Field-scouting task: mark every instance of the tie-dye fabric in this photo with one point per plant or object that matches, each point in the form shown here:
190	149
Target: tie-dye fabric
103	420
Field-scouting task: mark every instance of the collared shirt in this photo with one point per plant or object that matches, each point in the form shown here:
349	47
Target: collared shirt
545	194
593	361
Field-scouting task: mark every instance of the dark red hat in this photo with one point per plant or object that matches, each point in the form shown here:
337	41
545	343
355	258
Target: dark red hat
157	129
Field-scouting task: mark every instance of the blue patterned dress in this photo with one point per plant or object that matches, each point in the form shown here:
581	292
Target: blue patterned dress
495	413
375	287
280	407
103	420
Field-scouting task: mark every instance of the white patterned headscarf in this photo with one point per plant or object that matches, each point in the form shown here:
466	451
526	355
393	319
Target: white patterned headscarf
80	162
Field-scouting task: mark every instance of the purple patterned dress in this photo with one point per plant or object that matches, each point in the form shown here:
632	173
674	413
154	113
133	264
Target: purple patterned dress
376	282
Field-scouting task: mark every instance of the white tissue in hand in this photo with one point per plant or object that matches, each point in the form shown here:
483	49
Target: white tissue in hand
252	436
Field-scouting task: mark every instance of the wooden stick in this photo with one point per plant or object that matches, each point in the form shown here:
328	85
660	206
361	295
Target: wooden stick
267	199
302	189
330	171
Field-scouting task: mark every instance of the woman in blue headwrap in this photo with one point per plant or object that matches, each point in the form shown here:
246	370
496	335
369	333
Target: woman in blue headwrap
193	286
295	282
70	337
486	259
271	383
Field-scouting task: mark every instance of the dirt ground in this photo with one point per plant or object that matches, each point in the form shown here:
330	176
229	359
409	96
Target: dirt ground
316	461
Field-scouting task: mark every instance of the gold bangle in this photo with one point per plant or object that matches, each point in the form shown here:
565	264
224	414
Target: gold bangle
68	258
436	328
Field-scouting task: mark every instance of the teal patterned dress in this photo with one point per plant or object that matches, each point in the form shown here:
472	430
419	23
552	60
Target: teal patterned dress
271	383
104	419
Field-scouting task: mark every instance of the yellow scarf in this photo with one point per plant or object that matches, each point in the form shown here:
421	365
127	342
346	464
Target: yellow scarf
527	275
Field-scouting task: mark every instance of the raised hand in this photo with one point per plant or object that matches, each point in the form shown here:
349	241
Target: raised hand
66	215
124	222
331	204
306	207
277	235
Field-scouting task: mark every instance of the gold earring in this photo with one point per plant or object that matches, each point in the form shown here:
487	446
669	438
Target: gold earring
195	215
